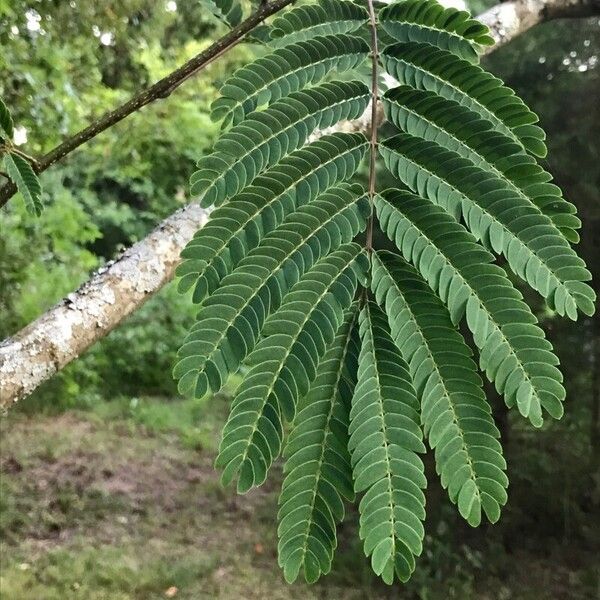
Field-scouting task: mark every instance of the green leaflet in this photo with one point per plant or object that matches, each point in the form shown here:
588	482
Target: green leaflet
6	122
424	67
510	223
458	128
309	21
265	137
284	363
234	229
384	439
318	472
286	70
230	322
228	11
513	350
429	22
454	411
27	182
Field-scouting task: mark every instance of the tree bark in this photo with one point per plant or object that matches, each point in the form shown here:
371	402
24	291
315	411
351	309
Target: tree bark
507	20
63	333
116	290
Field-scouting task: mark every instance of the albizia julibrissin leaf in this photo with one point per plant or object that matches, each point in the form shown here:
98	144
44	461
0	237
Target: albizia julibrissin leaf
235	229
361	351
385	438
318	472
265	137
455	414
230	322
284	363
27	182
514	352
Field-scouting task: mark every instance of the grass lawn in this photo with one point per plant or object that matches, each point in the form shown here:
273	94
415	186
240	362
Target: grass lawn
121	502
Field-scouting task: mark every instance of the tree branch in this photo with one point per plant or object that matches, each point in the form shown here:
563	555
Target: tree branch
115	291
161	89
507	20
64	332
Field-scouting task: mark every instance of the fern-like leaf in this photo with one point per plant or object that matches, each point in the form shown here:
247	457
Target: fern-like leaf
277	272
284	363
427	21
318	471
234	229
384	440
229	324
265	137
454	411
27	182
514	352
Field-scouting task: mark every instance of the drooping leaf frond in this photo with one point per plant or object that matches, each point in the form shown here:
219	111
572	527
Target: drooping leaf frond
284	71
278	275
454	411
427	21
460	129
230	322
425	67
27	182
240	225
323	18
514	352
265	137
318	472
495	211
284	363
385	438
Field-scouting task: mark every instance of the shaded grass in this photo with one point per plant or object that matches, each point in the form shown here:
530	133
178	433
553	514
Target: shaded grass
121	502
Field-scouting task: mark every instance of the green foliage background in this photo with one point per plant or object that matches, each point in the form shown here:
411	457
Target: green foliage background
113	191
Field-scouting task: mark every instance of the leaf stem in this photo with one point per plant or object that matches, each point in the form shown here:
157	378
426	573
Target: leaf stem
161	89
374	100
30	159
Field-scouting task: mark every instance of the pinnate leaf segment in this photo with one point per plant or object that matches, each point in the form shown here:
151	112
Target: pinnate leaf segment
354	357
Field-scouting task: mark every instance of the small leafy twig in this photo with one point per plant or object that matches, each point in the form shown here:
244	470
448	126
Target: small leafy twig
20	167
161	89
